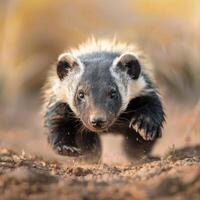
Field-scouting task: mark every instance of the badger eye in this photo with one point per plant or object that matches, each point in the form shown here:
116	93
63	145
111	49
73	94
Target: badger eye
113	94
81	95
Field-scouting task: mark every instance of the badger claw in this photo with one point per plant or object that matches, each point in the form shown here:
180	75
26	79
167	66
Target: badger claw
146	128
67	150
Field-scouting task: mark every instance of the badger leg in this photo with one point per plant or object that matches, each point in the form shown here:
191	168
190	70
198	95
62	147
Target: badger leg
60	124
141	124
136	147
63	132
90	145
146	116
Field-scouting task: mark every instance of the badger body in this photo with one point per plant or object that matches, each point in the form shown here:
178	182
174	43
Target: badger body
102	87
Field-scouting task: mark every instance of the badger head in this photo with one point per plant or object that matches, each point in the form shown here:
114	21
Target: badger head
99	87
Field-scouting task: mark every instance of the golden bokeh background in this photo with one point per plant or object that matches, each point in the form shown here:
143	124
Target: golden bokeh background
34	32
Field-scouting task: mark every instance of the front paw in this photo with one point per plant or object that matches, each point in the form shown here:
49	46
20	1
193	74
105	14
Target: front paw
146	127
66	150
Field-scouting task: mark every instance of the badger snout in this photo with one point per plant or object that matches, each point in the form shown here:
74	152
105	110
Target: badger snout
98	121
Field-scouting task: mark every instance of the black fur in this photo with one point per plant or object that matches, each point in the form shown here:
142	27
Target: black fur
147	113
130	64
97	85
66	139
140	124
135	146
64	133
64	66
62	69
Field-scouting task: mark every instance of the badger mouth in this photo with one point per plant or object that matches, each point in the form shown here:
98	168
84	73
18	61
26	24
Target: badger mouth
100	129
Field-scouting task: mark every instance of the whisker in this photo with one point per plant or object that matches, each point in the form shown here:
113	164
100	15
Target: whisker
122	119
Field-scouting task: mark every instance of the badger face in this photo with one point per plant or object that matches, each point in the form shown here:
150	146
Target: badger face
98	88
97	98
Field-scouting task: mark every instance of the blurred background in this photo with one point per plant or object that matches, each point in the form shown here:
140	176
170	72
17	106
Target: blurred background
34	32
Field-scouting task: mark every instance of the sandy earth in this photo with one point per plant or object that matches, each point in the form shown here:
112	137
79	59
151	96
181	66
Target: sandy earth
177	175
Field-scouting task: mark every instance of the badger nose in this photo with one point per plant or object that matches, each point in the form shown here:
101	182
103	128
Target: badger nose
98	122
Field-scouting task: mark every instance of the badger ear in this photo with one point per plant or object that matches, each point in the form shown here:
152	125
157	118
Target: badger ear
66	63
128	62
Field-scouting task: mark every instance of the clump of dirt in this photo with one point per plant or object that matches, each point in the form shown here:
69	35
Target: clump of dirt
176	176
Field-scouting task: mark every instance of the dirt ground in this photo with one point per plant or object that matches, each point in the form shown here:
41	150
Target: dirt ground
177	176
30	170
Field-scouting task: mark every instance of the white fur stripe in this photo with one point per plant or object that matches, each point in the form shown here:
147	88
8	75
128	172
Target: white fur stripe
65	89
128	88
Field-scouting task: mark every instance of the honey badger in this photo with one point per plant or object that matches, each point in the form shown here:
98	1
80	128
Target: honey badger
101	87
